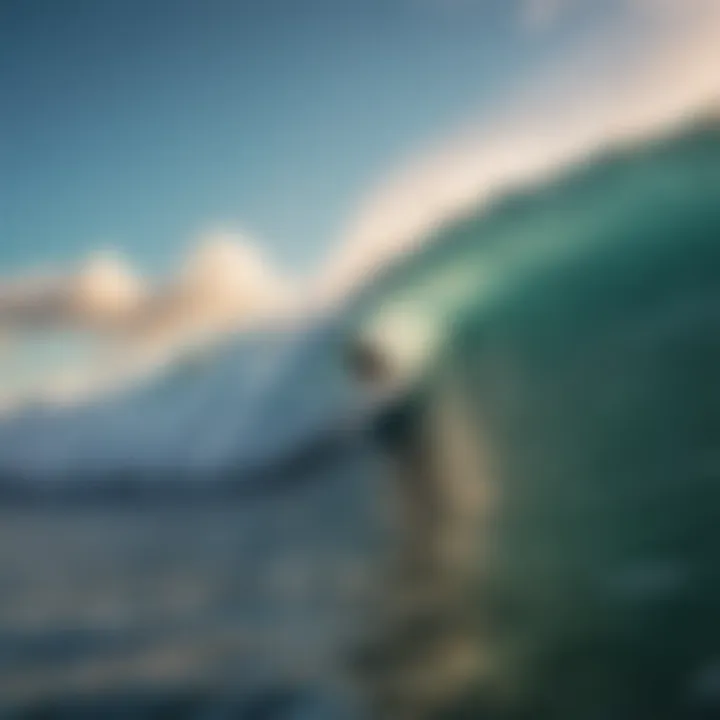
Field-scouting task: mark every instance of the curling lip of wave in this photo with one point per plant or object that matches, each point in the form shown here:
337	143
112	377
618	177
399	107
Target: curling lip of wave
613	92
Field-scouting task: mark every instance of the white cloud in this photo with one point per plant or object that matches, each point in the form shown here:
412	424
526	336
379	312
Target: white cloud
224	285
227	270
105	290
665	66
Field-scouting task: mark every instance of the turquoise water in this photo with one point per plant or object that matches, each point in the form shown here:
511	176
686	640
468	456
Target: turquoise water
561	352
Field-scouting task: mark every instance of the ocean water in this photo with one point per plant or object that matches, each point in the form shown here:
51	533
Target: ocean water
527	527
174	608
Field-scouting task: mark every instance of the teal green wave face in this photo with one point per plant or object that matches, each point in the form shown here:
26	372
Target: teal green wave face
622	203
568	348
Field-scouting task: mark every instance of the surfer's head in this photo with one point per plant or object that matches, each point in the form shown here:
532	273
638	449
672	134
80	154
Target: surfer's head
367	363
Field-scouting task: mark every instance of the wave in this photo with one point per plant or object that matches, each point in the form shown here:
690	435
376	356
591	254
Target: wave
556	462
261	398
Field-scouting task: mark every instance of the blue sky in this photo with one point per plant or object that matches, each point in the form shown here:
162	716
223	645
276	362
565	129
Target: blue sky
137	124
